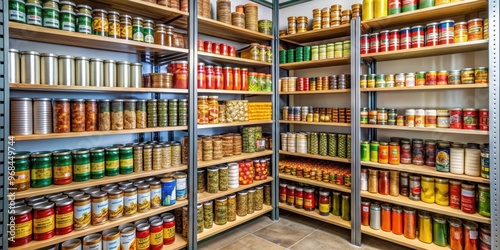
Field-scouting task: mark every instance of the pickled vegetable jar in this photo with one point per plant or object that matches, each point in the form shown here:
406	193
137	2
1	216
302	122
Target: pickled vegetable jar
100	24
62	164
41	169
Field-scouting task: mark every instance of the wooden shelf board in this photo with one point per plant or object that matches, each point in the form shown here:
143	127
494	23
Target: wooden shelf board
233	124
38	87
179	243
320	157
425	170
99	228
332	91
96	133
315	183
215	28
232	92
204	197
47	35
400	239
427	14
331	219
429	130
94	182
216	229
428	51
317	123
235	158
318	35
428	87
316	64
215	58
420	205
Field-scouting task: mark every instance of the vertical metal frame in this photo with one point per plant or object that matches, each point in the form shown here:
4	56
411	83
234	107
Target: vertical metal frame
494	92
5	127
355	132
192	123
276	110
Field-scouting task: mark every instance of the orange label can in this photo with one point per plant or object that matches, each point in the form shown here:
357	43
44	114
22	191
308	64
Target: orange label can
461	32
475	29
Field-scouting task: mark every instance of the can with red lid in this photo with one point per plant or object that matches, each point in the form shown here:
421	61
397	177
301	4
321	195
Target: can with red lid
484	119
417	36
223	49
374	43
232	50
432	34
215	48
300	84
446	32
207	46
384	41
201	76
405	38
365	44
470	118
456	118
393	40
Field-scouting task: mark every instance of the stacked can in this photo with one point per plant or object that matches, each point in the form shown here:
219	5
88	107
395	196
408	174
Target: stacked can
21	116
299	54
42	116
283	56
290	56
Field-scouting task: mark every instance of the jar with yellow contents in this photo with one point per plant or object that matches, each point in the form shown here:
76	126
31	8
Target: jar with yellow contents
427	185
100	24
126	27
114	24
442	191
203	110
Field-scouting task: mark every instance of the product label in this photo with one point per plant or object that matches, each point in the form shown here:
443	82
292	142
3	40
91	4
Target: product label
115	207
130	204
324	208
143	201
68	22
23	230
22	177
99	212
143	243
96	246
111	244
82	216
299	201
156	238
308	203
83	169
112	166
149	38
473	235
51	18
168	233
64	220
155	197
41	174
127	240
181	187
62	172
127	162
43	225
366	209
17	15
97	167
137	33
34	15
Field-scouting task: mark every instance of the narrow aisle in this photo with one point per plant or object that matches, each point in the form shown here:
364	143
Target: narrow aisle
293	232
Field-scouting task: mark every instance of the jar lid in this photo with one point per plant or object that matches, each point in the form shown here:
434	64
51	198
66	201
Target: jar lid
41	154
143	186
472	226
99	11
43	206
22	210
130	189
324	193
48	55
111	148
99	194
22	155
64	202
80	151
29	53
115	191
454	222
409	210
70	244
81	197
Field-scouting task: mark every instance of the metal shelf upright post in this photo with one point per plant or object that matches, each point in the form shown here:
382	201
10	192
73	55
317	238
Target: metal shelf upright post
4	122
276	109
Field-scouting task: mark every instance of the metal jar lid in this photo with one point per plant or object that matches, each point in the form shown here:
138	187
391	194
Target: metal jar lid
43	206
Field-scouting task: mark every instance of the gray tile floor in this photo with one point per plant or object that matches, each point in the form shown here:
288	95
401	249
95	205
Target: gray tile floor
293	232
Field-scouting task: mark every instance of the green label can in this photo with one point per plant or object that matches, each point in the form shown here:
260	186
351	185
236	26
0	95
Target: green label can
373	152
425	4
339	48
41	169
97	163
22	171
138	33
34	12
81	164
330	50
51	18
68	21
149	35
84	23
126	160
346	48
62	165
17	11
484	207
409	6
112	161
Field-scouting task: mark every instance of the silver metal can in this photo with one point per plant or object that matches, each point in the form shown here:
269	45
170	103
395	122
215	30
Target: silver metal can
21	116
30	67
14	66
82	71
42	116
123	74
136	75
66	70
109	73
48	69
96	72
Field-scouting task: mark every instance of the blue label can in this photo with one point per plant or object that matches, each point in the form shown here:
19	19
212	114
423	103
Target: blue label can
168	191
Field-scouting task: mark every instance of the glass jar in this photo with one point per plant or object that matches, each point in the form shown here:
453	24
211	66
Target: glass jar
221	211
149	29
152	113
148	157
443	157
112	156
427	186
129	114
138	29
100	25
62	167
414	188
126	160
81	165
213	109
104	115
242	203
162	113
394	183
77	115
164	35
404	181
22	169
227	73
203	110
140	114
41	169
383	183
43	221
418	153
62	116
114	24
373	181
126	31
97	165
117	114
182	112
181	75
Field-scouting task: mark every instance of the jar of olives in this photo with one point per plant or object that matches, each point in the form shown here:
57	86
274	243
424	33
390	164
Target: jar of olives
162	113
223	178
208	214
231	207
242	203
41	169
202	182
81	164
100	24
250	201
173	119
221	211
258	199
213	180
152	109
182	112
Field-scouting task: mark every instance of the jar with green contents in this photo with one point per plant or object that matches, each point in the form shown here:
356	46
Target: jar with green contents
62	167
332	145
348	147
346	207
213	180
342	146
41	169
346	45
17	11
199	218
152	113
374	145
22	171
314	52
307	53
221	211
81	164
138	29
323	144
336	203
223	178
112	161
202	181
182	112
50	17
97	165
258	199
149	31
484	200
339	50
439	230
84	23
68	20
392	116
173	118
330	50
251	201
208	214
314	145
231	207
126	160
34	14
162	113
100	25
365	151
242	203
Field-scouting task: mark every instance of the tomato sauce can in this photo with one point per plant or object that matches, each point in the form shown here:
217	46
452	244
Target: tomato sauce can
223	49
431	34
156	234
142	235
374	43
409	5
23	226
461	32
200	45
64	216
431	78
405	38
231	50
393	40
168	229
442	77
468	197
446	32
456	118
365	44
215	48
475	29
470	118
417	36
111	239
207	46
455	194
394	7
484	119
384	41
43	221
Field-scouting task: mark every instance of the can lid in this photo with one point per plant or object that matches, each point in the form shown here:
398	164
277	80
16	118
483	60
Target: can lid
61	152
43	206
48	55
64	202
29	53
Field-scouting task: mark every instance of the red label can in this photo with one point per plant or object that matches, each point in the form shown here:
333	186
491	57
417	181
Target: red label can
393	40
215	48
446	32
468	199
432	34
300	84
456	118
374	43
207	46
365	44
306	84
168	229
417	36
405	38
442	77
384	41
365	213
431	78
455	194
470	119
200	45
223	49
232	50
484	119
